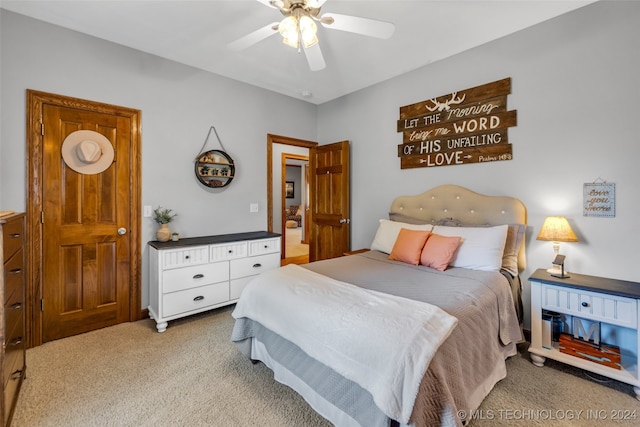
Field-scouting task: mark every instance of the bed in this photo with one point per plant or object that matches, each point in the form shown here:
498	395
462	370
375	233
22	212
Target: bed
378	339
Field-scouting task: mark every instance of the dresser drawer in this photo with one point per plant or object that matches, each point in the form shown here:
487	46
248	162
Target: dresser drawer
14	348
264	246
253	265
13	314
592	305
194	299
16	374
184	257
191	277
237	286
12	237
14	274
227	251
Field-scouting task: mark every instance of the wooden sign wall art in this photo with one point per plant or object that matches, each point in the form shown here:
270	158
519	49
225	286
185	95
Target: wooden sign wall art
599	199
468	126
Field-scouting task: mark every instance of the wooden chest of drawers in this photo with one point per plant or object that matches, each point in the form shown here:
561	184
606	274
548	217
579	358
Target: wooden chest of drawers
12	280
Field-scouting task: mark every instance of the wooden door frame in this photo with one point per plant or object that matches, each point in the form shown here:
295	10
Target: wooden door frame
284	140
35	145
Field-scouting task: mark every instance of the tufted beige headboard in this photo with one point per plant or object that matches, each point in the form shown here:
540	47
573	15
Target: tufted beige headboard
464	205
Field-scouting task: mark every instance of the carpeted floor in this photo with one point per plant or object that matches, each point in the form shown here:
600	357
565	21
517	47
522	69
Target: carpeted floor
293	240
192	375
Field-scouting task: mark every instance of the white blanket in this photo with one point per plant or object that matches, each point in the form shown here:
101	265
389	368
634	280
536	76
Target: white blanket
382	342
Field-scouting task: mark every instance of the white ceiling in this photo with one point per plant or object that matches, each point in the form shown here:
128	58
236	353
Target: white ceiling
196	33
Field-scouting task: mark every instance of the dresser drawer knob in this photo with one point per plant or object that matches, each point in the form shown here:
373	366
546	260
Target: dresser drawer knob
15	235
230	251
198	276
16	375
16	341
15	271
186	257
16	306
585	304
198	298
257	265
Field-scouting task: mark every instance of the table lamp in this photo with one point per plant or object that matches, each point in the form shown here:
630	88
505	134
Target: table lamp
557	229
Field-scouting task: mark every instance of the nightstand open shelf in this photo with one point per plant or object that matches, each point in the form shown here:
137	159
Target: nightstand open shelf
608	307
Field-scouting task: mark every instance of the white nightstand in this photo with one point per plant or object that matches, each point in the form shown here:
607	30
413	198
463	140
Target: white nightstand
612	305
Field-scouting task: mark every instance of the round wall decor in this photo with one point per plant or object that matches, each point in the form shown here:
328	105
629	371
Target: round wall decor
215	168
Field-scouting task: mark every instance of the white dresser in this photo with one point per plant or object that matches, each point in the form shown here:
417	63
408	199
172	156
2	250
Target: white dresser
202	273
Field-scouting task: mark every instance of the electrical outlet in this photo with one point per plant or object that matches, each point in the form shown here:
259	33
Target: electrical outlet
253	207
147	211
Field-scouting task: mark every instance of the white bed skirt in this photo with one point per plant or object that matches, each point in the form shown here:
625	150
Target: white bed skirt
339	418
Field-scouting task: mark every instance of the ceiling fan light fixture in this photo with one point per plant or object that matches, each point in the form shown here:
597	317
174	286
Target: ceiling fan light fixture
288	29
292	42
298	26
308	30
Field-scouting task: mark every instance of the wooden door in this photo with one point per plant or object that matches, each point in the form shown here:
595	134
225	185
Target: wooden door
330	202
86	228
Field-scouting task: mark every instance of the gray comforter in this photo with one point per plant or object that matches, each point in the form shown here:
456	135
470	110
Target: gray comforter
466	366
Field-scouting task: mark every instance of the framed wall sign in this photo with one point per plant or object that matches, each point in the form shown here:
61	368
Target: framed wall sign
599	199
468	126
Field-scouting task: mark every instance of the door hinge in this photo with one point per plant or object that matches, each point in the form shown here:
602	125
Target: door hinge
42	128
42	304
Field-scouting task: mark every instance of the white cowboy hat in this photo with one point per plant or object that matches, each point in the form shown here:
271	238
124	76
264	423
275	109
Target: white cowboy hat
87	152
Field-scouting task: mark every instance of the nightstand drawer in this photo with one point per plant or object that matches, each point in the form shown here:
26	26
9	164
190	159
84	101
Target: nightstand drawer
184	257
195	299
595	306
192	277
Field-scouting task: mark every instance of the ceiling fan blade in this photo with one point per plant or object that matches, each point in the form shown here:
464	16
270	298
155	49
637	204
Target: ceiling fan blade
254	37
315	58
315	3
268	3
354	24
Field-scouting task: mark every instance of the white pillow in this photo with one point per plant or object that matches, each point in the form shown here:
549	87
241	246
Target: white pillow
388	233
481	248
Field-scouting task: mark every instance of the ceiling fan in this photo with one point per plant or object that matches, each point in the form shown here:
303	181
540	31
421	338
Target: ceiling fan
299	29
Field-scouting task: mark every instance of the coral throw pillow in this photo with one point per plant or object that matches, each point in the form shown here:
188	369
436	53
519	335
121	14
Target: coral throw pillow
439	251
408	246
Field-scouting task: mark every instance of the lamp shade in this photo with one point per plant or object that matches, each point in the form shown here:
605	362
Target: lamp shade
557	229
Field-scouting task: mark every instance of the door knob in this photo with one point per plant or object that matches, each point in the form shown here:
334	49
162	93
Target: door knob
122	231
